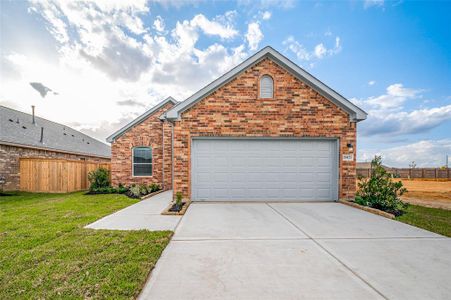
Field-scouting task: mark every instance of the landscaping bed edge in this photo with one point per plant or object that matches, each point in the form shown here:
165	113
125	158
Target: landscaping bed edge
368	209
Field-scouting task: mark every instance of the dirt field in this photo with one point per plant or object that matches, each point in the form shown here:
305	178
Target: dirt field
429	193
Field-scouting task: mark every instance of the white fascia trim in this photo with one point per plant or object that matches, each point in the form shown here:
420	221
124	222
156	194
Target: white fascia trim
140	119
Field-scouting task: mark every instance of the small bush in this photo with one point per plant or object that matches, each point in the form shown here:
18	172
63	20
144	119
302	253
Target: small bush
143	189
122	189
380	191
99	178
178	200
134	192
154	187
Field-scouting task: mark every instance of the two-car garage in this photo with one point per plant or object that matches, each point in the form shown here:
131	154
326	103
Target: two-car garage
261	169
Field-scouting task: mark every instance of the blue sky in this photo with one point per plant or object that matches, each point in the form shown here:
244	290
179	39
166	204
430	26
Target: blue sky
107	62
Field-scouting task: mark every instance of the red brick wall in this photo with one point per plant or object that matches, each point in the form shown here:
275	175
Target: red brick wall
235	110
10	166
148	133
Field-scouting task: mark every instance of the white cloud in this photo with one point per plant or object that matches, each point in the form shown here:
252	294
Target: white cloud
220	26
395	97
402	122
373	3
158	24
254	35
371	82
262	4
104	75
298	49
387	114
266	15
319	52
425	153
177	3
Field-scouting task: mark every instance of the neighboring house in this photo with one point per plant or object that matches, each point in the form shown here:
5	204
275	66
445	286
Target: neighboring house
266	130
26	136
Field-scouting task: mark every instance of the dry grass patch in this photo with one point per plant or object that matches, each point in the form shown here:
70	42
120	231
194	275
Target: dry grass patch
428	193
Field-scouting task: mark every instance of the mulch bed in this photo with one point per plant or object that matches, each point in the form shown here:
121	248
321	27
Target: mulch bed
368	209
171	209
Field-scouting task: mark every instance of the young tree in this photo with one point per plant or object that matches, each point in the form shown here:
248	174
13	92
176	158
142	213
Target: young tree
380	191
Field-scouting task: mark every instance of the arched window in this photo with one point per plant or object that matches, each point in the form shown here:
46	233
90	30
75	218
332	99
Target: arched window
266	87
142	161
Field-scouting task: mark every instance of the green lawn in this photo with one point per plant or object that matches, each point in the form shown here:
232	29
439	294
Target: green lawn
45	252
432	219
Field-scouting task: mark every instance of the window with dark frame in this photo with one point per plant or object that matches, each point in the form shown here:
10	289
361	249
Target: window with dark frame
142	161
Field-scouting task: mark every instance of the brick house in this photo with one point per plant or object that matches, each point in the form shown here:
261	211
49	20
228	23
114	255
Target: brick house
26	136
266	130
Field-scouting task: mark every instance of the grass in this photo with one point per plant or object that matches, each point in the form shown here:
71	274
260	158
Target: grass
46	253
433	219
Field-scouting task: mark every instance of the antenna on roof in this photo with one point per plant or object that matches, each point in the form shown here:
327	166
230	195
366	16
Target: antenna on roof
32	114
42	135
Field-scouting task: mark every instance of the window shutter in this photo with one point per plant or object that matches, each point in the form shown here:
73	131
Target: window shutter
266	87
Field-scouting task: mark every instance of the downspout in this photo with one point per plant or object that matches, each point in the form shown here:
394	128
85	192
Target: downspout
162	162
172	155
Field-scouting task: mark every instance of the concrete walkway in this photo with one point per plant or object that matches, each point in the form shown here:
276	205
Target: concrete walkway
145	214
299	251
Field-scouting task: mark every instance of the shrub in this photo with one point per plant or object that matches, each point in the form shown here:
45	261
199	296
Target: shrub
134	192
122	189
154	187
380	191
99	178
143	189
178	200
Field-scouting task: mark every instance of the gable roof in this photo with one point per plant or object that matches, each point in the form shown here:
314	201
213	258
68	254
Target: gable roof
355	112
140	119
17	129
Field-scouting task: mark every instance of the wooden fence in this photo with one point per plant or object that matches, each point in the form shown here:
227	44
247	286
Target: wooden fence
56	175
424	173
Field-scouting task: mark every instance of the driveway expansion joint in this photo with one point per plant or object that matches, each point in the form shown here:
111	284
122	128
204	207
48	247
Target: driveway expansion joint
384	238
330	253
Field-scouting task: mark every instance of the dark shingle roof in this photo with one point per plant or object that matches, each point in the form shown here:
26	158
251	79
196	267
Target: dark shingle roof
17	128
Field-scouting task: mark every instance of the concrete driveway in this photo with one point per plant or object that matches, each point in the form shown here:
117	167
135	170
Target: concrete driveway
299	251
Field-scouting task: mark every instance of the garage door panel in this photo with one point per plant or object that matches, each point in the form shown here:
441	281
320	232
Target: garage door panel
269	169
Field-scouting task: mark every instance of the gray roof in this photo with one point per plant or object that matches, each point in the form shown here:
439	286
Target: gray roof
355	112
17	128
141	118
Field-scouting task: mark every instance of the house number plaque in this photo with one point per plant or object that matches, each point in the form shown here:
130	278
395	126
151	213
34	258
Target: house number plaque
348	157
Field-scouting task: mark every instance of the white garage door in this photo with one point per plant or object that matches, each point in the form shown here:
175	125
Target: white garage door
264	169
